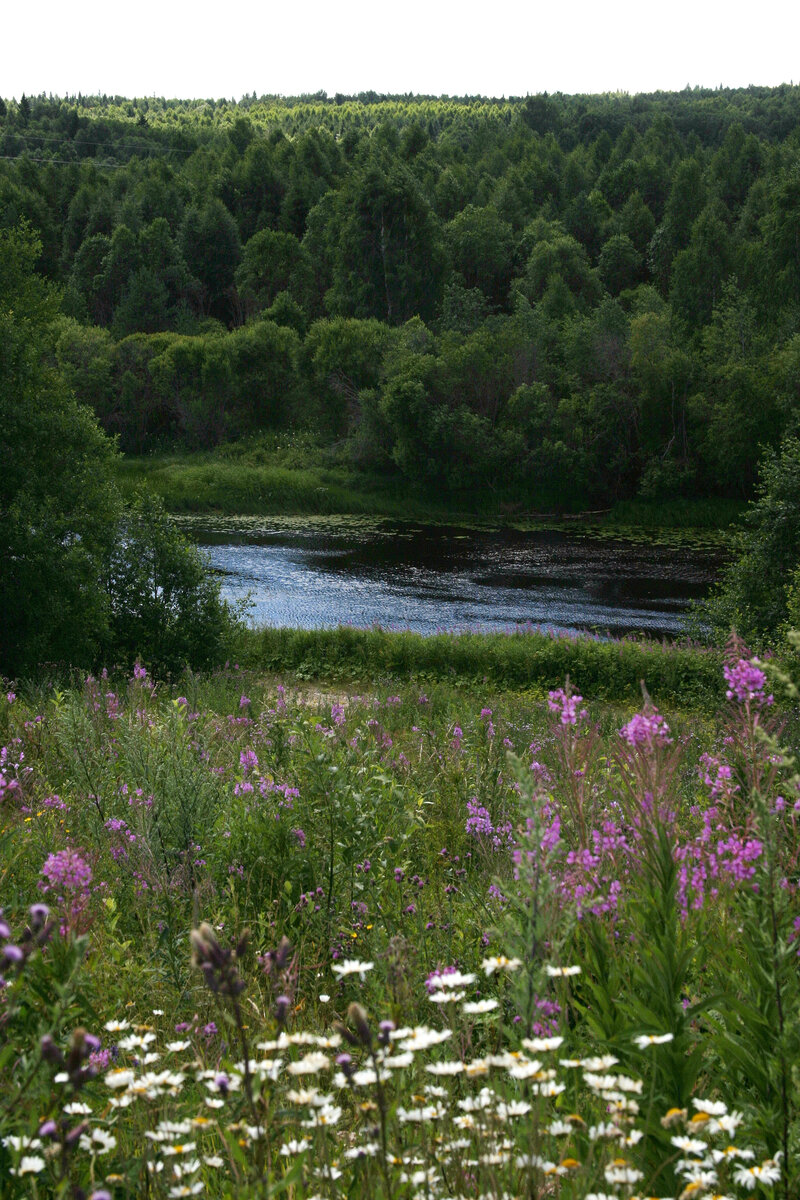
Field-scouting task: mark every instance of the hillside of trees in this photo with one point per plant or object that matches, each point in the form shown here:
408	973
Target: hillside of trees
568	300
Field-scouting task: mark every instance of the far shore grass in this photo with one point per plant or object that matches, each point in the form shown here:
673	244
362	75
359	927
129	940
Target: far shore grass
254	480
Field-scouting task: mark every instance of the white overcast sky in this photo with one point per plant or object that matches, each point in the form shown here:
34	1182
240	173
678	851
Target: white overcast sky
163	48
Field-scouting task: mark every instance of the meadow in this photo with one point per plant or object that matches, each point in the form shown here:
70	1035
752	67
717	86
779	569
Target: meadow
422	939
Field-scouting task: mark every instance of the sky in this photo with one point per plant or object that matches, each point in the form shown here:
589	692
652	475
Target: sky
438	47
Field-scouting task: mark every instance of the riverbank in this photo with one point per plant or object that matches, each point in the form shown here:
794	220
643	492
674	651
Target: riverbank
681	676
291	477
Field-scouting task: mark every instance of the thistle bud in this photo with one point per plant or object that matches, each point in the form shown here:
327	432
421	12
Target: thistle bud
282	1009
358	1017
345	1033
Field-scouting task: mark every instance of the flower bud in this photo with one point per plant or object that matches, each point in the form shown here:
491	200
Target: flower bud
282	1009
358	1017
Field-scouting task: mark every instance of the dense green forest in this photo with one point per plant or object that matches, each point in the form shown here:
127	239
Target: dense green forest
564	300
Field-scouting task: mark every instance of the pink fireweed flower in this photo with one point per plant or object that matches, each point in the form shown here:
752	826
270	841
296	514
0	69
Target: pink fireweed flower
479	825
248	760
66	870
646	729
746	683
566	706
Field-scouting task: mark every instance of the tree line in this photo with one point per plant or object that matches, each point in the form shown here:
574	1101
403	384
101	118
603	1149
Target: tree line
563	299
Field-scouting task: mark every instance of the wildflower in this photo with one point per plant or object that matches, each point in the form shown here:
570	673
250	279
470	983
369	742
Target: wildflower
619	1171
22	1142
67	870
731	1152
422	1038
500	963
646	729
602	1063
327	1115
540	1045
524	1070
449	978
311	1064
176	1047
697	1182
442	997
673	1116
710	1108
689	1145
430	1112
30	1164
566	705
478	1007
559	972
449	1067
351	966
746	683
768	1172
295	1146
728	1122
120	1077
652	1039
514	1108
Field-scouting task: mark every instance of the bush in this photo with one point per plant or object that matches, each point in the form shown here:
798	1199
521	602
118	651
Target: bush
165	607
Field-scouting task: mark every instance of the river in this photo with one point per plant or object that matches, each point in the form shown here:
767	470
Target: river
316	572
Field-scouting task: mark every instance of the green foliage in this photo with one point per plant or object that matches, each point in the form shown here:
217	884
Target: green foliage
472	215
59	510
165	606
753	596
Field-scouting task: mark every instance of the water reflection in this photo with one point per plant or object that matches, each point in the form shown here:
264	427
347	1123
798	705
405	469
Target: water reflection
319	572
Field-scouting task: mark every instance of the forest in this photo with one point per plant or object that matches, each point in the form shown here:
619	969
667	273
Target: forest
558	301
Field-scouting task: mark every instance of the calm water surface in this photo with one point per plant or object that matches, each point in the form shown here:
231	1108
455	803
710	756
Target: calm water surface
322	572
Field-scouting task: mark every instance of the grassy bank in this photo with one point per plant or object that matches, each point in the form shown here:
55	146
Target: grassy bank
677	676
291	476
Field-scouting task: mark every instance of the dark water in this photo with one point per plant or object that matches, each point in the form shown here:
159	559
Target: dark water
318	572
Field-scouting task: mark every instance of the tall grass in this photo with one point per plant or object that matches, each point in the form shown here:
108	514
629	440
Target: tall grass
414	943
682	676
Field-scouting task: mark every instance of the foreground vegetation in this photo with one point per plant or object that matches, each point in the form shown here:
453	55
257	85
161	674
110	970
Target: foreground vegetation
497	945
